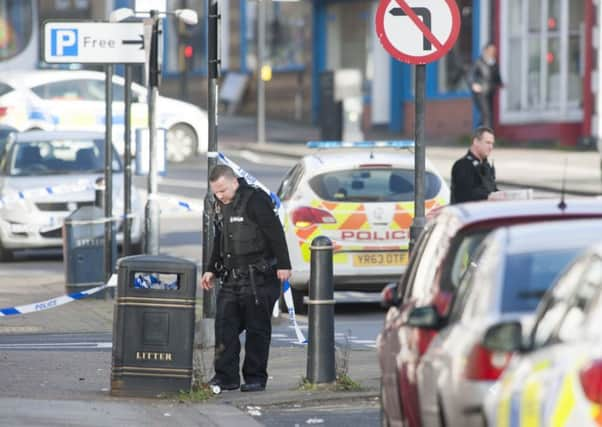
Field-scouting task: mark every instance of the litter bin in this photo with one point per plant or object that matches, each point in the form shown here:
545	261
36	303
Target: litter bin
331	109
153	326
83	249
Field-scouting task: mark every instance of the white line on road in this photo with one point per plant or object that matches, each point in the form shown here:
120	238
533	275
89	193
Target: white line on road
267	158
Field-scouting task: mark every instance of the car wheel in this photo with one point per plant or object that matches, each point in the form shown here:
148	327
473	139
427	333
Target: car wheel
384	420
300	307
6	255
181	143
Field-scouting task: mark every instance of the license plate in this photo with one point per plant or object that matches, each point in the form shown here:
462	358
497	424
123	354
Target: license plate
380	259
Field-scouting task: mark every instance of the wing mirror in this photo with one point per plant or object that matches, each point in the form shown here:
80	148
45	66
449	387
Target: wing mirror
504	337
426	317
389	297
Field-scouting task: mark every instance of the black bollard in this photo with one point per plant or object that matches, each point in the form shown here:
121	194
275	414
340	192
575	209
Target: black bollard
320	349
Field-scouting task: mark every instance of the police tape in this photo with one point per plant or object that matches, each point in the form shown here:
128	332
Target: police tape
15	196
57	302
287	293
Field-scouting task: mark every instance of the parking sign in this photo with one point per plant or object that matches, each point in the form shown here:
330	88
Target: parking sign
73	42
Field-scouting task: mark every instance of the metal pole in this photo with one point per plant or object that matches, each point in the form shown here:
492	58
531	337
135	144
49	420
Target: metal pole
209	212
127	158
152	207
419	158
261	22
320	349
108	202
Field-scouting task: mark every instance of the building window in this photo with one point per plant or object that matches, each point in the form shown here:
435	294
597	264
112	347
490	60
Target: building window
286	35
542	60
15	27
182	39
454	67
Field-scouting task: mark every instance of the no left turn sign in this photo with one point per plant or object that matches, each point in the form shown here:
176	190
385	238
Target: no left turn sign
417	31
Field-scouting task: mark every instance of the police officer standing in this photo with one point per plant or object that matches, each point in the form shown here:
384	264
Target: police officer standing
473	177
251	258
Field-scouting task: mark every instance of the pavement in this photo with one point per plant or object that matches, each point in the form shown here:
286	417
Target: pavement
71	386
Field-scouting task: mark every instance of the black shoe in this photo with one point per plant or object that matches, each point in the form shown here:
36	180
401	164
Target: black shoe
223	385
252	387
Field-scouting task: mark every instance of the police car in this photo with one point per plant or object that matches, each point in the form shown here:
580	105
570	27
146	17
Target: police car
75	100
556	378
361	196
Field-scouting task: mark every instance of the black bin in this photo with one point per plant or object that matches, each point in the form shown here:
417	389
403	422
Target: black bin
83	248
153	326
331	110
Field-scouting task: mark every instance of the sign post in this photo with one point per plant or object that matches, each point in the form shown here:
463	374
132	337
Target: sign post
74	42
417	34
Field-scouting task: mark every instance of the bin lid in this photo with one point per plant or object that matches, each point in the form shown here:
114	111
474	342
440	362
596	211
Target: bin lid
154	261
85	213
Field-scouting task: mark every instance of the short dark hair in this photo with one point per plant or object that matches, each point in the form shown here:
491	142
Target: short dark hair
478	132
219	171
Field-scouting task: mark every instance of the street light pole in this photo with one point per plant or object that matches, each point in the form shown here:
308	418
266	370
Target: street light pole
209	211
261	36
152	207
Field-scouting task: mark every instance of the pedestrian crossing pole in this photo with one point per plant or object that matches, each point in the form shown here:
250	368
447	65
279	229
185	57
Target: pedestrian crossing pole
209	211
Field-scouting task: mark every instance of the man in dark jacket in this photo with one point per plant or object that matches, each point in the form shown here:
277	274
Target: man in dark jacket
251	258
484	80
473	177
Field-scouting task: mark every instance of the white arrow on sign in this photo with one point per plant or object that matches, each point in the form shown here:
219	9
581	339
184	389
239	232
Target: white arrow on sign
94	42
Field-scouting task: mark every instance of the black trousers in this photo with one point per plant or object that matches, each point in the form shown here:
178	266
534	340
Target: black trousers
236	311
484	103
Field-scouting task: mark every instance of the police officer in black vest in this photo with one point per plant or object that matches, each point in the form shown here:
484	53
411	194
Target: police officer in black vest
251	258
473	177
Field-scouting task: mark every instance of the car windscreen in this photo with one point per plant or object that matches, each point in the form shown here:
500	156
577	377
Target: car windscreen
58	157
528	276
372	185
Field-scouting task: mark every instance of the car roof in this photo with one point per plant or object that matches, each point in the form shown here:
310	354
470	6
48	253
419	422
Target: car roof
552	235
31	78
324	160
504	212
41	135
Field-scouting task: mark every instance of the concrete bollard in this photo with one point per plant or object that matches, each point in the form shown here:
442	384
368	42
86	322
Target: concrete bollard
320	349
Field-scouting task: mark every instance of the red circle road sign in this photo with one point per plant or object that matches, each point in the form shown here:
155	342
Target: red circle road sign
417	31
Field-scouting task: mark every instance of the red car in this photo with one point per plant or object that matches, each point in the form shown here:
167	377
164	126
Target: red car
437	263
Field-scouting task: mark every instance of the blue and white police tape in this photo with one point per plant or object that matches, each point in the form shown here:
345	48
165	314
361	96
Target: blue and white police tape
15	195
170	203
251	180
288	299
57	302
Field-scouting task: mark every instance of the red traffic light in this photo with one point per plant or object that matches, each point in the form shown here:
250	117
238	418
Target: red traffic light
188	51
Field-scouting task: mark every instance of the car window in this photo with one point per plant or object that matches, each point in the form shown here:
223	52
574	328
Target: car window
4	89
528	276
457	306
574	322
555	304
477	296
420	285
290	181
462	252
64	90
415	257
372	185
59	157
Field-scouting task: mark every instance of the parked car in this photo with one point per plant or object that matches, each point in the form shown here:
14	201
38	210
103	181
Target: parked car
441	256
510	272
75	100
555	379
34	169
361	196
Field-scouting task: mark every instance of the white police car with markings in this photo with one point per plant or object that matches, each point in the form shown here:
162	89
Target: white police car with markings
360	196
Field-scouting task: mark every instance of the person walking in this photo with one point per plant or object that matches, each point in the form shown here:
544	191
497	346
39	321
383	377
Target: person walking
472	176
250	257
484	80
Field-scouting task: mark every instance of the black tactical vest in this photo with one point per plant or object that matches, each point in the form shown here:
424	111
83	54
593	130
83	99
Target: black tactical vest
242	240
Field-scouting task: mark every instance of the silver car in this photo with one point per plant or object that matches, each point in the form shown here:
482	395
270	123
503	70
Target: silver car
44	176
511	271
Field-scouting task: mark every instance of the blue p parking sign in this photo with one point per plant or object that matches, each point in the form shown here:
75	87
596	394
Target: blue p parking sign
63	41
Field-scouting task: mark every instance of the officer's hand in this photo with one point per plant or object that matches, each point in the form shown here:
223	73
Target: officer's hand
283	275
477	88
207	280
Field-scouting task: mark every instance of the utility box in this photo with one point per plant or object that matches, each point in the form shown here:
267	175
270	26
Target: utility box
83	248
331	125
341	105
153	326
